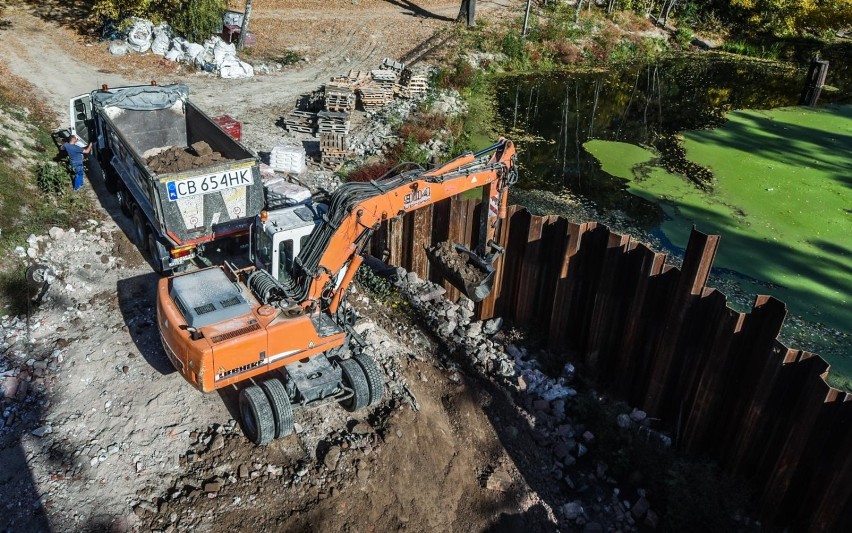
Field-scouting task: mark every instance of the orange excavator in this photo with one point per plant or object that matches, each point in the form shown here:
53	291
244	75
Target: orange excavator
278	328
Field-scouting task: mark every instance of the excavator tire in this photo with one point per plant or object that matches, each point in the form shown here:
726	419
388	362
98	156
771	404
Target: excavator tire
281	407
257	416
355	379
375	380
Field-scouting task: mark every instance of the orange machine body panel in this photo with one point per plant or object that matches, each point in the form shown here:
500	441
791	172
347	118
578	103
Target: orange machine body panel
240	348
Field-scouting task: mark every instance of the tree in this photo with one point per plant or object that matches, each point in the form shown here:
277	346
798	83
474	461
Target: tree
194	19
794	16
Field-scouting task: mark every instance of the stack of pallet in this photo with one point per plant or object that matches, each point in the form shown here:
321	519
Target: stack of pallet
390	64
301	121
334	149
373	97
413	85
332	122
386	79
339	97
353	80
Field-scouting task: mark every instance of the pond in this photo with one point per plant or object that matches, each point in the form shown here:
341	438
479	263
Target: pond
641	163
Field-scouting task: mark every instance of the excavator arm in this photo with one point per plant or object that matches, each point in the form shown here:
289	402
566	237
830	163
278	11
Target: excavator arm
357	210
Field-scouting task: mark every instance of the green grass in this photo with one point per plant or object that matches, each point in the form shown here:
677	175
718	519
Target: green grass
780	200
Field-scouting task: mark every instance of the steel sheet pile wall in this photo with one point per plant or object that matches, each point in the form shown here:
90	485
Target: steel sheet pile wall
659	338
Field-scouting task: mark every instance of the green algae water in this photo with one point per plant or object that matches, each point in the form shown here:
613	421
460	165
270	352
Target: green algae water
780	198
777	185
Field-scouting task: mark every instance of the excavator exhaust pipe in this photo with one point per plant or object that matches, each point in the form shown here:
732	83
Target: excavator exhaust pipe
463	268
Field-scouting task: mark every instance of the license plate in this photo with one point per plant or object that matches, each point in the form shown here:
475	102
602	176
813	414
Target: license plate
210	183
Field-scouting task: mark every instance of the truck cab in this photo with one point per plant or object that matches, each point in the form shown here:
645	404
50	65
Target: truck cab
283	235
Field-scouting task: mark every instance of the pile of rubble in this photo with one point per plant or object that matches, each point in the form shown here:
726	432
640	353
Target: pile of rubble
542	399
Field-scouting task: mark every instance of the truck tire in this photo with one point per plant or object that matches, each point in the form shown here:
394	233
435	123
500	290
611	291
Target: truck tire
140	230
375	380
111	180
355	379
281	407
257	416
157	252
123	198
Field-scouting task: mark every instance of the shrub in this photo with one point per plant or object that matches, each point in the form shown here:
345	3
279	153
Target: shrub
52	177
369	172
683	37
461	75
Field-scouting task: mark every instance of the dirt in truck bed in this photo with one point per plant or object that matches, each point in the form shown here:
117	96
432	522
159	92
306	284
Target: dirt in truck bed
177	159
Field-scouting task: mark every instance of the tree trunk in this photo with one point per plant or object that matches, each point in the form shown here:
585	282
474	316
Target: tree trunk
244	26
467	12
577	11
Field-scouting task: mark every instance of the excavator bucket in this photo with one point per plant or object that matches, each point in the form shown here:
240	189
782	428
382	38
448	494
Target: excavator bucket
466	271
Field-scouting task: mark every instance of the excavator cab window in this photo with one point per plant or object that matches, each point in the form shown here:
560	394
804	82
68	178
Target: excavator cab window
264	250
286	258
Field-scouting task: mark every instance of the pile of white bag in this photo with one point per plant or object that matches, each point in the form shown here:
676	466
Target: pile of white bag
287	159
215	55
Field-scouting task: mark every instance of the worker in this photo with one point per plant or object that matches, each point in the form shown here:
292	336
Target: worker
75	155
467	11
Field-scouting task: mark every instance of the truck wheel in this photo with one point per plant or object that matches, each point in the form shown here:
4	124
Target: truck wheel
375	380
139	232
111	180
122	196
281	407
355	379
257	416
157	252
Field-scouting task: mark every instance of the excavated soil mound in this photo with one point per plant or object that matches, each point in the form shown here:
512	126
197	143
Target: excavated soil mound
177	159
455	261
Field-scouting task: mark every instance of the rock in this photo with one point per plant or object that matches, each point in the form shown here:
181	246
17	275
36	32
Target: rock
640	508
434	294
499	481
10	386
217	443
493	326
32	253
42	431
144	507
302	471
364	326
474	330
331	458
212	486
541	405
275	471
243	471
593	527
622	421
705	44
412	278
361	429
581	450
638	415
589	437
522	383
572	510
56	233
561	450
651	519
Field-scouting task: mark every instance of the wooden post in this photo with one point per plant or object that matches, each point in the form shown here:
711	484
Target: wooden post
814	82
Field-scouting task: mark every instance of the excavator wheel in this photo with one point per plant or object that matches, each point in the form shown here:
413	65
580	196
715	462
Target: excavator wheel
355	379
257	416
281	407
375	380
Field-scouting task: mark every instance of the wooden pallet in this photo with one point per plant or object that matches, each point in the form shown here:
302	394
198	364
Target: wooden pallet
334	142
300	121
339	97
390	64
332	122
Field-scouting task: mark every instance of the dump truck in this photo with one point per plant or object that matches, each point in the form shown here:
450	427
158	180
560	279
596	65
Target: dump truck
182	179
278	329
